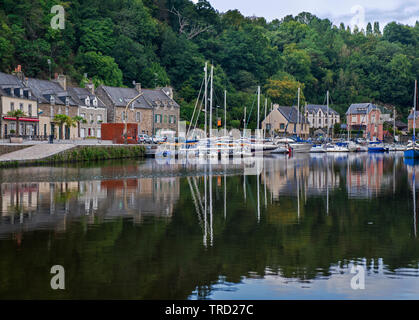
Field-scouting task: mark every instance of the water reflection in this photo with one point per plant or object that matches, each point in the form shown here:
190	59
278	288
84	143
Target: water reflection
279	227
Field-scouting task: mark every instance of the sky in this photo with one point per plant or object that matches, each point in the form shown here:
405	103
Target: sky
350	12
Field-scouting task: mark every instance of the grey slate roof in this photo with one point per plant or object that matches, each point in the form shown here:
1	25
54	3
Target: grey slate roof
291	114
361	108
314	108
80	94
10	83
44	89
411	115
121	96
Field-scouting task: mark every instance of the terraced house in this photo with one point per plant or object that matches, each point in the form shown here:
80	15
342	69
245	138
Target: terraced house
54	98
319	116
16	95
152	109
91	109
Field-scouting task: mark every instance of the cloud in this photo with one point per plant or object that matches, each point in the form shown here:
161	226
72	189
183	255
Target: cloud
384	11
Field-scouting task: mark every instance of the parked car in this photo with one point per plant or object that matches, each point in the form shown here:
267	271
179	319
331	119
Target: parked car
144	138
158	139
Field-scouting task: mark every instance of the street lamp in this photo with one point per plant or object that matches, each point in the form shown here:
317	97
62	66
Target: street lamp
49	67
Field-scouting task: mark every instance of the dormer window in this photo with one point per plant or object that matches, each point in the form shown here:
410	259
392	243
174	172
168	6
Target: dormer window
87	101
95	102
21	92
52	100
67	101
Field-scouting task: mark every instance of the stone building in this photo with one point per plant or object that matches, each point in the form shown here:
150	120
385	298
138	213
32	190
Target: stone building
152	109
14	95
367	118
92	109
286	120
54	98
319	116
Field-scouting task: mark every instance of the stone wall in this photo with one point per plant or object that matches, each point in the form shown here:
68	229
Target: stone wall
4	148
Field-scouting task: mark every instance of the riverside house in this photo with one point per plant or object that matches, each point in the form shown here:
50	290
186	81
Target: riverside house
286	121
367	118
14	95
319	116
92	109
53	98
152	110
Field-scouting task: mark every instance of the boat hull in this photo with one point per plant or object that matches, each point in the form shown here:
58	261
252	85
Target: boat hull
412	153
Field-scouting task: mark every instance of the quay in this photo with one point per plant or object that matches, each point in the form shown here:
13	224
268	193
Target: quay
31	153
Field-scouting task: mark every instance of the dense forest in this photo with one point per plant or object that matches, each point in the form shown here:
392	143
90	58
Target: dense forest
166	42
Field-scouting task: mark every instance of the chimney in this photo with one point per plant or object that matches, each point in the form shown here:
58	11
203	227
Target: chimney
137	86
91	87
62	81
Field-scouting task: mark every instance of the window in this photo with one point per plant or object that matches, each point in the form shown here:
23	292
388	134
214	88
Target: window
95	102
158	118
138	116
67	101
52	111
45	130
82	132
66	111
99	133
171	119
123	115
295	127
174	119
282	126
30	110
12	106
99	118
52	100
21	106
354	119
87	101
91	118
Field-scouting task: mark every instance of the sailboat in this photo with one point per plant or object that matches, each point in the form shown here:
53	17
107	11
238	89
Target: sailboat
412	150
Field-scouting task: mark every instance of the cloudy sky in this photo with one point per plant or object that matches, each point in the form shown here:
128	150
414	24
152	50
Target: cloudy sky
348	11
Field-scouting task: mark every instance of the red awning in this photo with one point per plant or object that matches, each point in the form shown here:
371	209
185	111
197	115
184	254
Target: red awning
22	119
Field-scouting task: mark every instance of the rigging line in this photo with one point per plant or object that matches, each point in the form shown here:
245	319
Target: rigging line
250	113
196	104
196	122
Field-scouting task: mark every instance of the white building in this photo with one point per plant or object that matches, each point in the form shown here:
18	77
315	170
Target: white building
319	116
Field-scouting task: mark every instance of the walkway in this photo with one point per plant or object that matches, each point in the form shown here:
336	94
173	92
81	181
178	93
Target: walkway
36	152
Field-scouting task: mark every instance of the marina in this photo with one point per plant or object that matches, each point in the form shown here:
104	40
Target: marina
275	227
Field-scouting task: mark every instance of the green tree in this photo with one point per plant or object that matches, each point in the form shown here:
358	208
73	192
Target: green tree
79	120
17	114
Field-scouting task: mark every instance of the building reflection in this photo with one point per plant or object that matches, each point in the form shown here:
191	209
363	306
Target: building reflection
48	205
363	175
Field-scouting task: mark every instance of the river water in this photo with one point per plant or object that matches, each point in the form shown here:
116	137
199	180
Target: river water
337	226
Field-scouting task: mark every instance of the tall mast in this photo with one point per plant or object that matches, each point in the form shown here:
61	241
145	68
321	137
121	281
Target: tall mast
266	107
210	117
244	121
414	111
258	119
225	112
298	110
206	97
328	120
394	125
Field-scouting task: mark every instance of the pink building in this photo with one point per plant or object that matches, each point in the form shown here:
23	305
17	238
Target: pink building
365	117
